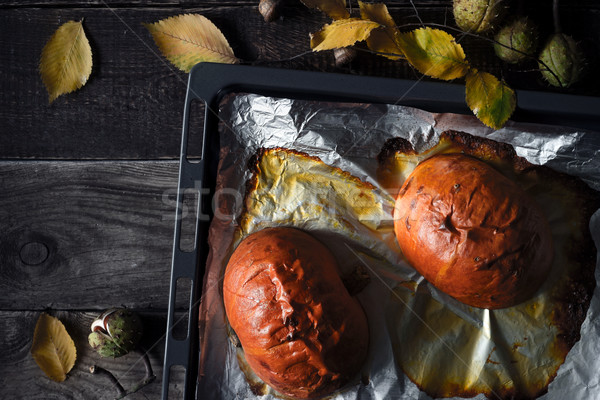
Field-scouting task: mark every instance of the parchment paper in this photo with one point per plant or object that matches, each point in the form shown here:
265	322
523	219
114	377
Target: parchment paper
350	136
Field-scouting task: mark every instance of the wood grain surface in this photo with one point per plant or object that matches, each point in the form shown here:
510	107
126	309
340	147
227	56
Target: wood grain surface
81	237
87	183
21	378
105	230
131	107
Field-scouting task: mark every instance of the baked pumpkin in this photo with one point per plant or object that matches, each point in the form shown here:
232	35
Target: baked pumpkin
301	332
472	232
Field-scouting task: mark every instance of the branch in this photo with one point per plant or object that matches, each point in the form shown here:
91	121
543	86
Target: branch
556	16
148	378
95	370
380	53
416	13
258	62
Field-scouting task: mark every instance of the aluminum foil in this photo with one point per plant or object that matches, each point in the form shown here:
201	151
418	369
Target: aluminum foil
349	137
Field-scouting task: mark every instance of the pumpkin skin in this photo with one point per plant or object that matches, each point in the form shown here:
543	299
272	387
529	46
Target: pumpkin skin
302	333
472	232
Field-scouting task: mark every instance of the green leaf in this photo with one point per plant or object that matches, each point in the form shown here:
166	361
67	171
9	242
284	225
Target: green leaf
492	101
342	33
383	39
66	61
189	39
336	9
434	52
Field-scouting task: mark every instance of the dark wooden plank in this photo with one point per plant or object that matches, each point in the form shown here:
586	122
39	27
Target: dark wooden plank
226	3
21	378
124	3
192	3
132	105
86	235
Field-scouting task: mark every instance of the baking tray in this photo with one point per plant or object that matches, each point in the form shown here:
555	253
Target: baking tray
209	82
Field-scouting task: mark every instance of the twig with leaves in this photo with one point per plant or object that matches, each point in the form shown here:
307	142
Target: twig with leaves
191	38
433	52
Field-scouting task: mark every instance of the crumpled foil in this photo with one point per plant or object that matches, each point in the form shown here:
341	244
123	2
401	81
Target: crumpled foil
349	137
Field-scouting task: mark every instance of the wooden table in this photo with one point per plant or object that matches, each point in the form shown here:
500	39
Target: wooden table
87	183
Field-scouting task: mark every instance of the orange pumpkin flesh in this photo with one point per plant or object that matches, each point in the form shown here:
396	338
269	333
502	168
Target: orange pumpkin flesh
302	333
472	232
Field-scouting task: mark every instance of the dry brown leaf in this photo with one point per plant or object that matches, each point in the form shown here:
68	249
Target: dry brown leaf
53	349
381	40
189	39
66	60
336	9
342	33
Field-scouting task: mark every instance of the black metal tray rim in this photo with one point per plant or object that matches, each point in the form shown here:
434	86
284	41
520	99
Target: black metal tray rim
209	82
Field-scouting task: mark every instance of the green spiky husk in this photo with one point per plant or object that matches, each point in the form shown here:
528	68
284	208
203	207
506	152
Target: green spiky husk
564	58
125	329
105	346
479	16
522	35
118	332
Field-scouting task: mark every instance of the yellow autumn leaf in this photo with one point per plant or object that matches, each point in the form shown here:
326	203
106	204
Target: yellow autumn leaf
336	9
189	39
491	101
53	349
383	39
66	60
434	52
342	33
376	12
